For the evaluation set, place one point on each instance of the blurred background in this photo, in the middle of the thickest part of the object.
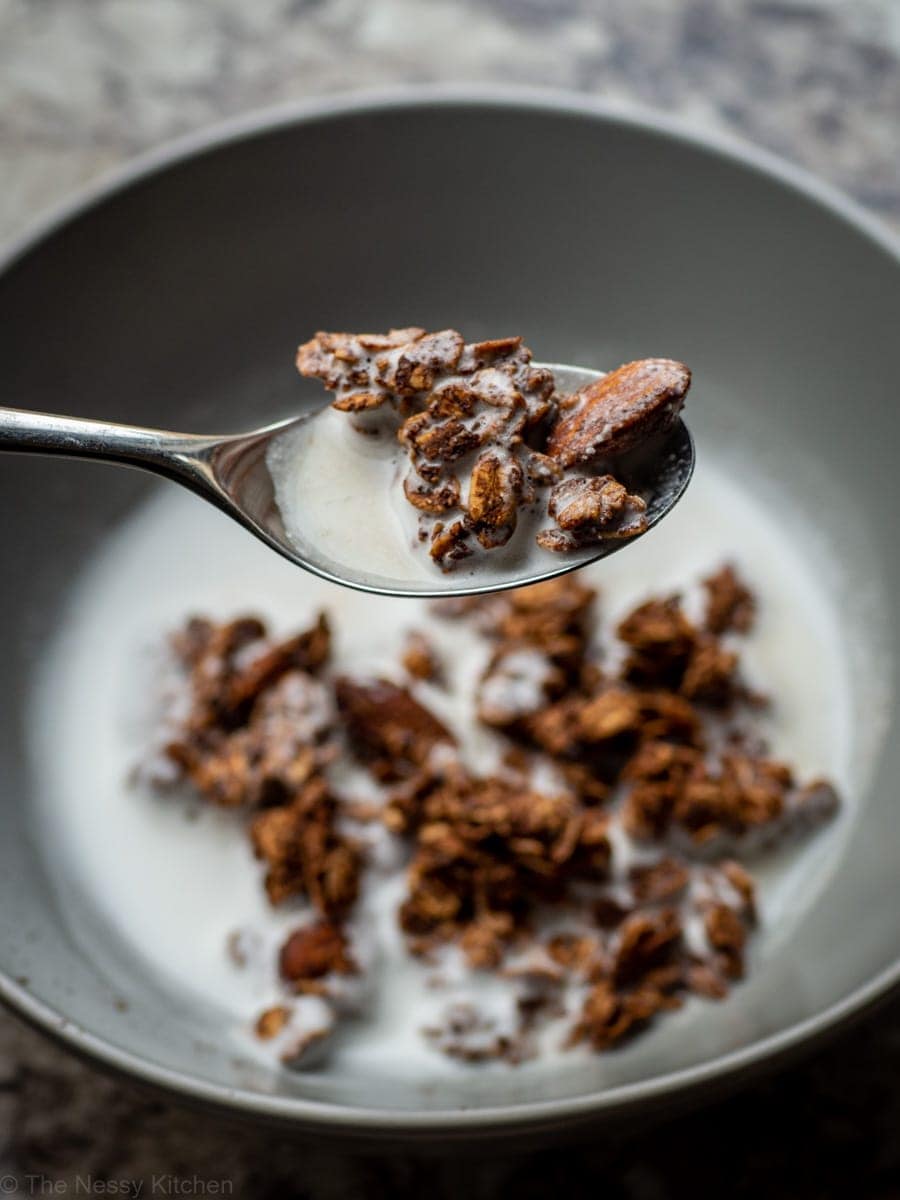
(87, 84)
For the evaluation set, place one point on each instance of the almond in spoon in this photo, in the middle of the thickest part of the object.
(620, 410)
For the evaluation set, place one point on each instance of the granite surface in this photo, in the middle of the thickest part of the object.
(84, 84)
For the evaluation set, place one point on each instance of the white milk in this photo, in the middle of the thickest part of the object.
(178, 879)
(338, 487)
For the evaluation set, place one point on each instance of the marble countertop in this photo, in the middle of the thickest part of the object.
(84, 85)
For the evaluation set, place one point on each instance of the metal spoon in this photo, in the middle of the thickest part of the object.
(231, 472)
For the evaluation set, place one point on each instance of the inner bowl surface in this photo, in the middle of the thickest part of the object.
(175, 299)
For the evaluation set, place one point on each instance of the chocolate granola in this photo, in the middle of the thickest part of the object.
(488, 437)
(514, 871)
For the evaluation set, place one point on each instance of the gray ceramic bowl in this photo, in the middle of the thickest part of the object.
(174, 295)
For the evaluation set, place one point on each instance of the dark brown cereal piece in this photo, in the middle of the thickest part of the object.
(486, 851)
(645, 940)
(580, 501)
(666, 650)
(609, 1016)
(420, 659)
(436, 498)
(609, 911)
(553, 617)
(585, 782)
(495, 492)
(647, 812)
(728, 796)
(575, 952)
(452, 399)
(314, 951)
(727, 935)
(609, 714)
(232, 663)
(486, 353)
(272, 1021)
(369, 370)
(540, 831)
(730, 605)
(662, 761)
(439, 441)
(710, 676)
(742, 793)
(556, 728)
(665, 715)
(450, 542)
(307, 651)
(305, 851)
(741, 881)
(417, 366)
(404, 807)
(286, 740)
(660, 639)
(705, 980)
(589, 509)
(556, 541)
(331, 357)
(592, 852)
(615, 413)
(209, 651)
(357, 402)
(540, 469)
(485, 938)
(665, 879)
(560, 602)
(387, 726)
(201, 638)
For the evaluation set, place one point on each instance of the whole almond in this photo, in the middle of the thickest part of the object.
(620, 410)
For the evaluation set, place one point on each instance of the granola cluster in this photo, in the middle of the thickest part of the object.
(487, 437)
(594, 874)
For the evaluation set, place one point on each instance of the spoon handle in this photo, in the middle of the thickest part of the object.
(176, 455)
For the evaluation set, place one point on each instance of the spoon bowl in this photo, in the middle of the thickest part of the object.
(232, 472)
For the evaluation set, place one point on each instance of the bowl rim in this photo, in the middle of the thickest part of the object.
(487, 1120)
